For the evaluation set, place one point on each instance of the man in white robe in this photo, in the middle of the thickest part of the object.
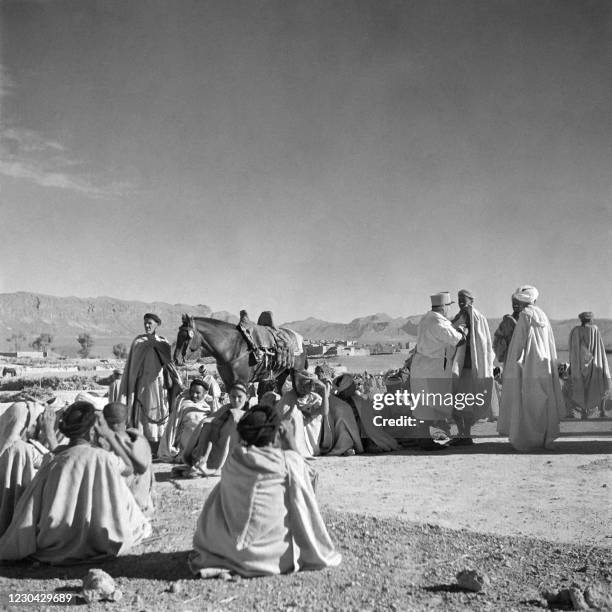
(472, 369)
(307, 405)
(213, 386)
(263, 517)
(532, 402)
(77, 507)
(589, 371)
(19, 459)
(431, 368)
(215, 437)
(136, 449)
(189, 411)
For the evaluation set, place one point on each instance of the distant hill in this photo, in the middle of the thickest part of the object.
(381, 327)
(111, 320)
(107, 319)
(378, 327)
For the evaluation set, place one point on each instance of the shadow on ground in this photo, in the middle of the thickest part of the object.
(561, 447)
(152, 565)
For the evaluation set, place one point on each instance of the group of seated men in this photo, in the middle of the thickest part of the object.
(73, 486)
(76, 485)
(329, 418)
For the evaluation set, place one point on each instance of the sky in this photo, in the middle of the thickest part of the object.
(325, 159)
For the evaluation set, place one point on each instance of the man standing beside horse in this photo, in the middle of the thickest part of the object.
(149, 378)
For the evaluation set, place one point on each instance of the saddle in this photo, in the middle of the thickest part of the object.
(275, 347)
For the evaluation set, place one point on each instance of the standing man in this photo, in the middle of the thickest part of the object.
(504, 331)
(430, 372)
(589, 371)
(531, 402)
(144, 385)
(114, 387)
(472, 367)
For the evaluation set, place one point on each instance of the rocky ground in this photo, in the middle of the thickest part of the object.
(388, 564)
(396, 553)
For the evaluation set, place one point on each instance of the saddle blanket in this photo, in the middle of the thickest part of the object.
(268, 338)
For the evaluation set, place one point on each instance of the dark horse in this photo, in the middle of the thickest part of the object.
(203, 336)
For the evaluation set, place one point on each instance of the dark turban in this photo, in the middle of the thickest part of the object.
(586, 317)
(77, 420)
(154, 317)
(343, 382)
(259, 425)
(466, 293)
(115, 413)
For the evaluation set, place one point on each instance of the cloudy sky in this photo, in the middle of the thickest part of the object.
(331, 159)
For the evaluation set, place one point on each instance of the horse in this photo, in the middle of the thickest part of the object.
(203, 336)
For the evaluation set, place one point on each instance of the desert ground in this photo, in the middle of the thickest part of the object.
(405, 522)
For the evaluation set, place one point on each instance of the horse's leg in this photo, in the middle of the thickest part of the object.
(237, 371)
(227, 374)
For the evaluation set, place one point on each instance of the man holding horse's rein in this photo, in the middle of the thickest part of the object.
(144, 385)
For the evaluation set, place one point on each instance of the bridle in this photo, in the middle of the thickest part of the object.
(195, 338)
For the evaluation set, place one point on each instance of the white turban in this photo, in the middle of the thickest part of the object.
(526, 293)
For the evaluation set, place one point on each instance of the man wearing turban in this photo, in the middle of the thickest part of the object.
(144, 385)
(589, 371)
(367, 436)
(532, 402)
(77, 507)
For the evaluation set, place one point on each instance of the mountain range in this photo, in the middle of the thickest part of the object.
(110, 320)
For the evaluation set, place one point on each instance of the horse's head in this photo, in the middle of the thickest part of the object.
(188, 340)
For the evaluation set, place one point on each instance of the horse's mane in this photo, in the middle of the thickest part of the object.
(215, 322)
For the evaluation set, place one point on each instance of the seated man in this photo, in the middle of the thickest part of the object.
(324, 424)
(374, 439)
(213, 386)
(262, 518)
(215, 436)
(307, 406)
(346, 438)
(77, 507)
(137, 449)
(19, 459)
(188, 412)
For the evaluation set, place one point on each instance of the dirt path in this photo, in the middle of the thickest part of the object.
(563, 495)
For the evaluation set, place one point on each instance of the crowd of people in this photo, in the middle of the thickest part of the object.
(76, 484)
